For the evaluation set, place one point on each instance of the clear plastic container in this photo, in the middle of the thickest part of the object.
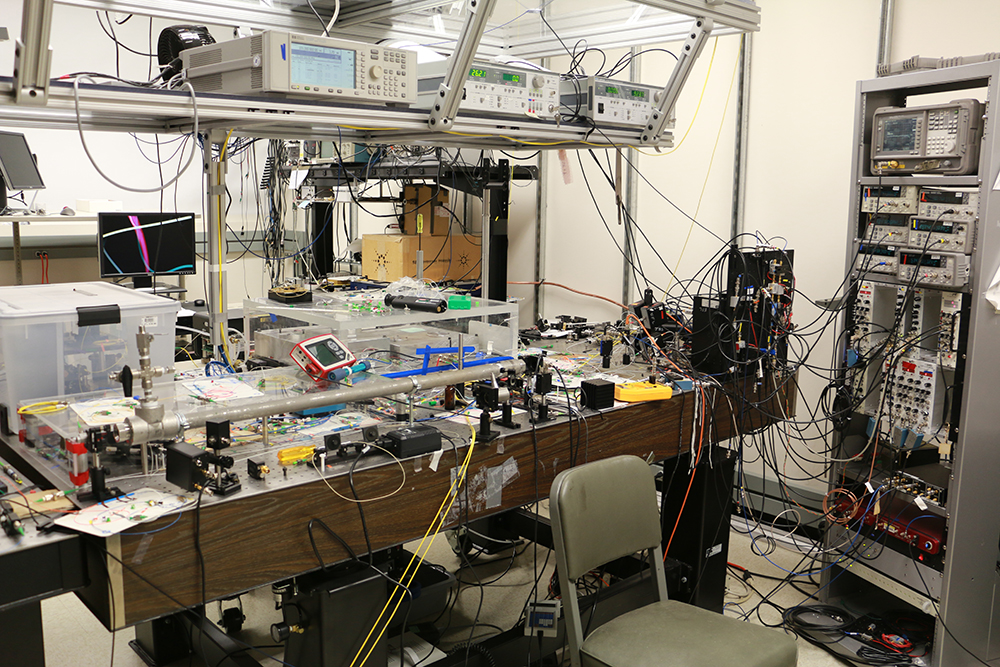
(67, 338)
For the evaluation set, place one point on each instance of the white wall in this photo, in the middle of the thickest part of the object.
(79, 45)
(807, 59)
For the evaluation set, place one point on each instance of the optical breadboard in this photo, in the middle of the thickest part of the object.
(953, 204)
(890, 199)
(507, 90)
(305, 66)
(608, 101)
(938, 269)
(934, 139)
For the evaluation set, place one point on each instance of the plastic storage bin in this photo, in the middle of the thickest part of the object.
(66, 338)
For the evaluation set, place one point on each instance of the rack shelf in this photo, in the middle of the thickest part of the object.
(127, 109)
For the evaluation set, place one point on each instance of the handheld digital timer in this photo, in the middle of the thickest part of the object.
(320, 355)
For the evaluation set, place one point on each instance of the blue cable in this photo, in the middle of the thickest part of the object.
(159, 530)
(799, 574)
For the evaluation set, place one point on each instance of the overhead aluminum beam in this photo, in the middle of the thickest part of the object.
(259, 16)
(743, 15)
(695, 44)
(123, 108)
(605, 28)
(452, 89)
(33, 54)
(380, 10)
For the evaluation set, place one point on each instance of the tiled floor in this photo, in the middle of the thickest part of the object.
(74, 638)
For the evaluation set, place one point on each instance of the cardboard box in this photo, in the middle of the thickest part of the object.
(425, 210)
(389, 257)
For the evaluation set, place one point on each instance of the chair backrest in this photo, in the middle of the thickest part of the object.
(604, 510)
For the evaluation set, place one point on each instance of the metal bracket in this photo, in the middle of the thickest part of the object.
(33, 54)
(450, 92)
(693, 46)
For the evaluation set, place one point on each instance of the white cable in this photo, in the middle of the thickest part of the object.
(79, 127)
(243, 339)
(336, 14)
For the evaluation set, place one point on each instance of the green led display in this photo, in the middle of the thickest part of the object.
(478, 73)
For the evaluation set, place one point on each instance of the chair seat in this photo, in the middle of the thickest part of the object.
(674, 634)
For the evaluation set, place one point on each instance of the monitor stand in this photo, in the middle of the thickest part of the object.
(139, 282)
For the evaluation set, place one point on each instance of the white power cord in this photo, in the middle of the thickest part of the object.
(79, 127)
(336, 14)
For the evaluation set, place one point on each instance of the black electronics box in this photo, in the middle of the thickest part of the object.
(713, 341)
(659, 318)
(334, 617)
(185, 465)
(292, 297)
(413, 441)
(597, 394)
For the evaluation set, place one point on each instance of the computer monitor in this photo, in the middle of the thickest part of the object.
(17, 166)
(144, 245)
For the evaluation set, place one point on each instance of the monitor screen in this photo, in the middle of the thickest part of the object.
(900, 135)
(323, 66)
(145, 244)
(16, 163)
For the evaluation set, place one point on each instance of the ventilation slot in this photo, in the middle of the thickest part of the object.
(209, 57)
(208, 84)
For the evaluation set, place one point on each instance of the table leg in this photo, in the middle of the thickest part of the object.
(18, 270)
(21, 634)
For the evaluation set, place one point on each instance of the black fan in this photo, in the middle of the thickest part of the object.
(175, 39)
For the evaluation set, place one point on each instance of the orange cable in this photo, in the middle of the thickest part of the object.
(701, 441)
(545, 282)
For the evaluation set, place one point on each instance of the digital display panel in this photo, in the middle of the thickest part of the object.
(322, 66)
(611, 90)
(879, 250)
(883, 192)
(498, 76)
(931, 226)
(145, 244)
(933, 261)
(944, 197)
(639, 93)
(899, 134)
(324, 354)
(890, 221)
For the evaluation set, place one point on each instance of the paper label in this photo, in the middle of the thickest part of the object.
(150, 321)
(564, 164)
(919, 502)
(436, 459)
